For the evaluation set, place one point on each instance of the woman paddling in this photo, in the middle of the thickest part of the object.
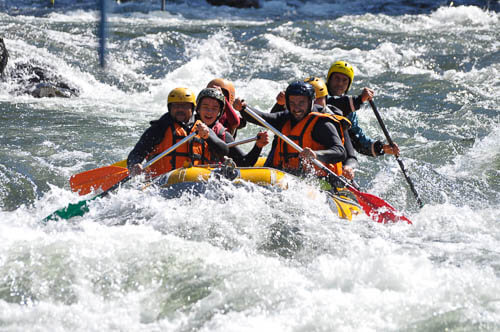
(209, 109)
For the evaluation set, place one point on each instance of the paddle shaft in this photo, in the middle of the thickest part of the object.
(400, 162)
(152, 161)
(243, 141)
(170, 149)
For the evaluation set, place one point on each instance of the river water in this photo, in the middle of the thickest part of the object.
(251, 259)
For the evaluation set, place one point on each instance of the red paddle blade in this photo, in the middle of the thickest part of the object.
(378, 209)
(100, 178)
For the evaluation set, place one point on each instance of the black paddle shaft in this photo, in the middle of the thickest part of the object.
(400, 162)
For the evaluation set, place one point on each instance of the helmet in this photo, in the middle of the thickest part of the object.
(182, 95)
(319, 86)
(343, 68)
(224, 85)
(299, 88)
(212, 93)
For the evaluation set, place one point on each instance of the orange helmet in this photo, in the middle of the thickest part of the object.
(226, 86)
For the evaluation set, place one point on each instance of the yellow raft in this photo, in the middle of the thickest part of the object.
(345, 207)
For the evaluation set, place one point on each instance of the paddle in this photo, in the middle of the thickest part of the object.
(80, 208)
(400, 162)
(375, 207)
(243, 141)
(105, 177)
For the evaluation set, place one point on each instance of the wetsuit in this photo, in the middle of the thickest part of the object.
(361, 142)
(229, 119)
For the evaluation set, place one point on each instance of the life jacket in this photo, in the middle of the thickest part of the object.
(192, 152)
(208, 157)
(286, 157)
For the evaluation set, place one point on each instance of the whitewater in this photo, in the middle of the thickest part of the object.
(247, 258)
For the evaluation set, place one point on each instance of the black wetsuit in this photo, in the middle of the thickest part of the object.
(347, 104)
(156, 132)
(361, 142)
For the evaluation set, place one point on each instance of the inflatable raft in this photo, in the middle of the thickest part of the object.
(341, 204)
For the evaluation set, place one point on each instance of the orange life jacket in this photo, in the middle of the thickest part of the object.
(286, 157)
(195, 151)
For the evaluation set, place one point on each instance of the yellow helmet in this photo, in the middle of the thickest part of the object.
(182, 95)
(343, 68)
(319, 85)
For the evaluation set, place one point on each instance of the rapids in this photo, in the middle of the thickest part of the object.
(249, 258)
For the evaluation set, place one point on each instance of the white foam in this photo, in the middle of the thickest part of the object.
(483, 157)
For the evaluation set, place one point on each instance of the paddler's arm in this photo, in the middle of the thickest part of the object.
(216, 144)
(149, 139)
(278, 108)
(248, 160)
(347, 104)
(232, 118)
(350, 104)
(361, 142)
(276, 120)
(324, 132)
(351, 163)
(351, 159)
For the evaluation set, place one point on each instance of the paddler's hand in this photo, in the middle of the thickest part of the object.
(203, 130)
(280, 98)
(391, 150)
(367, 94)
(239, 104)
(307, 154)
(348, 172)
(262, 140)
(135, 170)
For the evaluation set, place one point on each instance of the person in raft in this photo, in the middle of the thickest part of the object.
(230, 118)
(317, 133)
(172, 127)
(321, 91)
(339, 81)
(210, 107)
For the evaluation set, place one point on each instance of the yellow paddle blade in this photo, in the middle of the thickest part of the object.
(121, 163)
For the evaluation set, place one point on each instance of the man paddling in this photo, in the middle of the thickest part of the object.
(211, 104)
(351, 162)
(174, 125)
(317, 133)
(321, 92)
(339, 81)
